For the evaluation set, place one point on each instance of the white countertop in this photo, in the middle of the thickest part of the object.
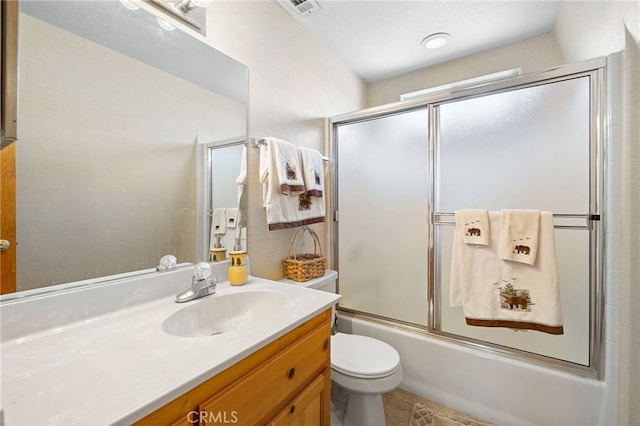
(117, 367)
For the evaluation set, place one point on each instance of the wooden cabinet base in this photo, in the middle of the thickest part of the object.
(288, 382)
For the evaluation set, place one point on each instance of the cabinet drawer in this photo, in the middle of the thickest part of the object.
(256, 396)
(308, 407)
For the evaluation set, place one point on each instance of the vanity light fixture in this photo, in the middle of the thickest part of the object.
(435, 40)
(192, 12)
(187, 6)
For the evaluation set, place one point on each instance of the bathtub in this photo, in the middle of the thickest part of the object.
(494, 387)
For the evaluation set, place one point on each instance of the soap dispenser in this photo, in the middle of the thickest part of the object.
(238, 268)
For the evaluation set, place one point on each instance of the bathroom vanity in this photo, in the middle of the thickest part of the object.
(124, 352)
(287, 382)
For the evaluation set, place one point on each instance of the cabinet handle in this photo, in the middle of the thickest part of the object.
(325, 345)
(292, 372)
(292, 409)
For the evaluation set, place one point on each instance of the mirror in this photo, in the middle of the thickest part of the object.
(112, 111)
(225, 184)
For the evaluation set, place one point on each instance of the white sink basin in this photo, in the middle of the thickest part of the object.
(223, 313)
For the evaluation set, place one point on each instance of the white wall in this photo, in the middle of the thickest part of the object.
(294, 82)
(587, 29)
(584, 30)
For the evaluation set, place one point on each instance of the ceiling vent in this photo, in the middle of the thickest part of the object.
(303, 7)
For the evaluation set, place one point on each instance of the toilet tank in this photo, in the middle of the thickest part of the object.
(327, 282)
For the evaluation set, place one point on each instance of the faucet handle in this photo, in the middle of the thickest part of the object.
(167, 262)
(201, 271)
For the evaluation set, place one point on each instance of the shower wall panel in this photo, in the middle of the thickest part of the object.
(383, 192)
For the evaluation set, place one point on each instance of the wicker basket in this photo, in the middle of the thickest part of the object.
(303, 267)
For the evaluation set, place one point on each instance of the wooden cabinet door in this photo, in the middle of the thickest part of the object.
(8, 219)
(253, 398)
(311, 407)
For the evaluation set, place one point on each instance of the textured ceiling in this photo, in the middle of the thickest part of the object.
(380, 39)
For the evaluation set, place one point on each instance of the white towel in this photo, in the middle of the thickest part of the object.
(312, 171)
(519, 235)
(233, 216)
(289, 167)
(498, 293)
(219, 221)
(475, 224)
(285, 211)
(263, 171)
(241, 180)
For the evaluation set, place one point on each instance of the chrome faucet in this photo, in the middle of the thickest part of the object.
(202, 284)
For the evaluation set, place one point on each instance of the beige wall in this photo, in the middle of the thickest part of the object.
(294, 81)
(91, 198)
(533, 54)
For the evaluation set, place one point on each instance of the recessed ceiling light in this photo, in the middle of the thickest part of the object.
(436, 40)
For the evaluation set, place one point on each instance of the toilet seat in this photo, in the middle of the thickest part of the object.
(362, 356)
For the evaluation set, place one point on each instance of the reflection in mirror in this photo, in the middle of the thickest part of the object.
(225, 185)
(192, 12)
(111, 109)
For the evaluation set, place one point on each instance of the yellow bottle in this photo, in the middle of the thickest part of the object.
(217, 254)
(238, 270)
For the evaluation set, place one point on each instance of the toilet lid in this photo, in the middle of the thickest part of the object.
(362, 356)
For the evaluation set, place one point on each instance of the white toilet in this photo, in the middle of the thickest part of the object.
(363, 368)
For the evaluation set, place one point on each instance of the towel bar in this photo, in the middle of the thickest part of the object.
(588, 217)
(258, 142)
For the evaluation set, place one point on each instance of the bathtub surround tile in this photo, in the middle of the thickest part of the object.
(611, 324)
(612, 287)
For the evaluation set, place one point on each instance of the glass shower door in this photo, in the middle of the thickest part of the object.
(382, 204)
(528, 148)
(402, 170)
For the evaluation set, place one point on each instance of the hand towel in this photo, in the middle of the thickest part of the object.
(312, 171)
(233, 215)
(519, 235)
(497, 293)
(289, 168)
(219, 221)
(475, 224)
(285, 211)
